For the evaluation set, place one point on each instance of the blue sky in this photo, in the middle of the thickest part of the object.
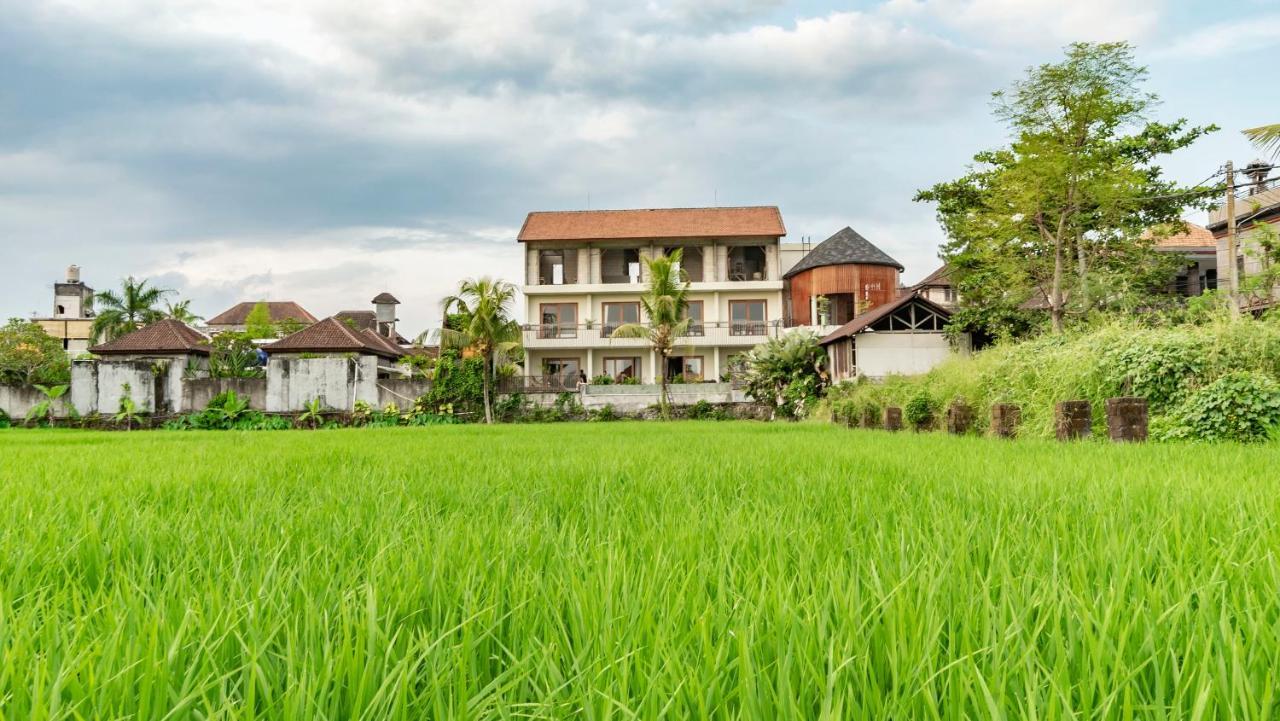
(324, 151)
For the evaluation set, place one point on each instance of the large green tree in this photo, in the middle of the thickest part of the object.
(30, 356)
(666, 308)
(1061, 215)
(135, 305)
(489, 330)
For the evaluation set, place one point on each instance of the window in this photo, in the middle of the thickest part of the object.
(557, 267)
(616, 314)
(949, 294)
(622, 368)
(694, 313)
(690, 262)
(746, 317)
(559, 320)
(689, 366)
(62, 310)
(747, 263)
(620, 265)
(563, 369)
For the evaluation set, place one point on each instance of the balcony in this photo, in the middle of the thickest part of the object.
(721, 333)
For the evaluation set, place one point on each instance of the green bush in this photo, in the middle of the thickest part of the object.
(604, 379)
(920, 411)
(1242, 406)
(603, 414)
(5, 420)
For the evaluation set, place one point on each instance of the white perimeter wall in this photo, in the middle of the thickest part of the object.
(337, 382)
(880, 354)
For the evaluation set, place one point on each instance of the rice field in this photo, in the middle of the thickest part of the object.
(633, 570)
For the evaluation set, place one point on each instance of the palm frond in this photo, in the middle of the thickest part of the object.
(1265, 137)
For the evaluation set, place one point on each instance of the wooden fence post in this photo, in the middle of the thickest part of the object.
(1073, 420)
(1127, 419)
(959, 418)
(1005, 418)
(893, 418)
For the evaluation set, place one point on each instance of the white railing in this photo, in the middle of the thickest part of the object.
(716, 333)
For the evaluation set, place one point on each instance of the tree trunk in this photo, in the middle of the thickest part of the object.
(663, 401)
(1055, 293)
(1084, 274)
(488, 407)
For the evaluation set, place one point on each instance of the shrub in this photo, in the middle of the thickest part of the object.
(1242, 406)
(606, 413)
(787, 373)
(603, 379)
(5, 420)
(920, 411)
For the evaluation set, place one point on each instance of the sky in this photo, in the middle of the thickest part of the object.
(324, 151)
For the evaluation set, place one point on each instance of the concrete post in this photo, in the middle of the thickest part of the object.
(1073, 420)
(893, 418)
(1127, 419)
(1005, 418)
(959, 418)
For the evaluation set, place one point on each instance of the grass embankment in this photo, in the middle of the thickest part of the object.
(1164, 365)
(725, 570)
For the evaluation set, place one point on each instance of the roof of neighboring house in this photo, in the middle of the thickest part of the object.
(860, 323)
(846, 247)
(385, 298)
(278, 309)
(167, 337)
(365, 320)
(764, 221)
(1196, 236)
(940, 278)
(333, 336)
(1259, 207)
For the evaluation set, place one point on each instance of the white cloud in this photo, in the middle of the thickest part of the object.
(1036, 22)
(1237, 37)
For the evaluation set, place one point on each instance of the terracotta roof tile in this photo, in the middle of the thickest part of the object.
(763, 221)
(1196, 236)
(168, 337)
(365, 319)
(940, 278)
(279, 310)
(333, 336)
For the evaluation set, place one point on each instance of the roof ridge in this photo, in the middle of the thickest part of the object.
(646, 210)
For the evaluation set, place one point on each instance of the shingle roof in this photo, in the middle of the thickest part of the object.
(333, 336)
(940, 278)
(860, 323)
(1197, 236)
(384, 298)
(167, 337)
(279, 310)
(846, 247)
(364, 320)
(764, 221)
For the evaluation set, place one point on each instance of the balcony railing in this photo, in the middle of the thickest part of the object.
(701, 333)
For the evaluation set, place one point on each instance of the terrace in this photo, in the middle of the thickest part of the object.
(745, 332)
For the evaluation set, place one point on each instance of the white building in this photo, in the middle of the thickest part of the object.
(584, 275)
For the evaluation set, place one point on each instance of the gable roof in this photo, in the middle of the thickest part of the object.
(278, 309)
(845, 247)
(1196, 236)
(365, 320)
(860, 323)
(168, 337)
(763, 221)
(940, 278)
(333, 336)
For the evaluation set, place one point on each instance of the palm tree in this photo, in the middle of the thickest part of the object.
(1266, 137)
(128, 310)
(666, 303)
(489, 329)
(181, 311)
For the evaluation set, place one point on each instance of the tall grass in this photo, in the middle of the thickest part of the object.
(1162, 364)
(691, 570)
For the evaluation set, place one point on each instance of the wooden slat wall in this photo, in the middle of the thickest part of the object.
(841, 279)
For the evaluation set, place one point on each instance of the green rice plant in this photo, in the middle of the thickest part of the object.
(707, 570)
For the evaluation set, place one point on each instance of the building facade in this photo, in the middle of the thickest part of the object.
(71, 319)
(585, 274)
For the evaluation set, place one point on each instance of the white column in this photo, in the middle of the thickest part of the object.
(591, 366)
(653, 366)
(715, 363)
(531, 265)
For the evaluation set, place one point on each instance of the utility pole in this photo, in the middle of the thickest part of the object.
(1233, 269)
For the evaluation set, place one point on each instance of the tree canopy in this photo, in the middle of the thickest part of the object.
(136, 305)
(1061, 217)
(30, 356)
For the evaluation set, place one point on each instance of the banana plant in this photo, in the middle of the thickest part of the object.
(43, 411)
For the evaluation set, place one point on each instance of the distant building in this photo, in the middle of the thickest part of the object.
(841, 278)
(148, 365)
(902, 337)
(1258, 208)
(232, 320)
(71, 320)
(381, 320)
(1199, 249)
(938, 287)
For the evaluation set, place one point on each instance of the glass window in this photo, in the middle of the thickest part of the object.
(565, 369)
(616, 314)
(694, 313)
(622, 368)
(559, 320)
(693, 368)
(746, 317)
